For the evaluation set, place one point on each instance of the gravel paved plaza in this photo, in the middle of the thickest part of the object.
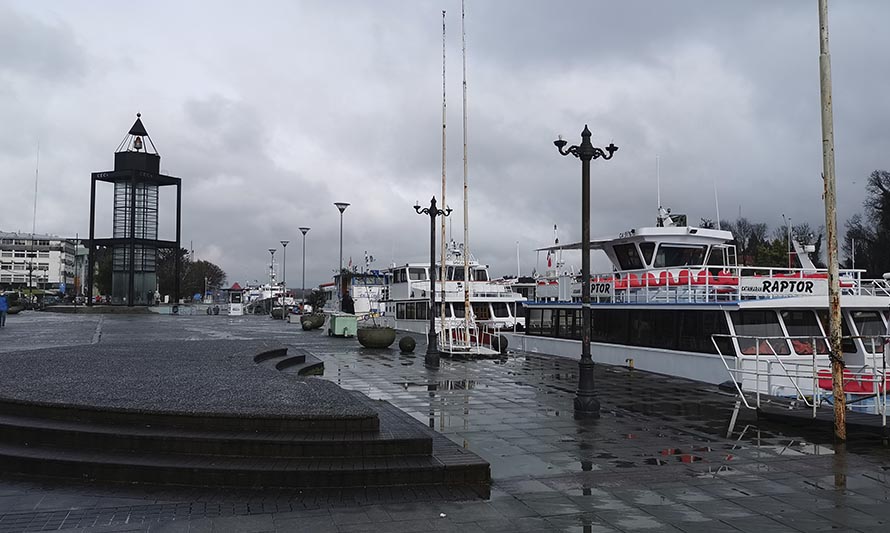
(663, 457)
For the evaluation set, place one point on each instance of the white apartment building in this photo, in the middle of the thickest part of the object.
(39, 261)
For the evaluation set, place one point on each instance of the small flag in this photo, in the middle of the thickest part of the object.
(549, 260)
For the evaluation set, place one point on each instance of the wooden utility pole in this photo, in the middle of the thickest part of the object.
(834, 297)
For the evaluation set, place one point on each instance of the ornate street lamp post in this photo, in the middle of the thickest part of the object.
(342, 207)
(432, 348)
(304, 231)
(586, 404)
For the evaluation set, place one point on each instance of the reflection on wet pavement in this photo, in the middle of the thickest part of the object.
(666, 455)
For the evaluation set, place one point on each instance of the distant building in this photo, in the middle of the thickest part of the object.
(38, 261)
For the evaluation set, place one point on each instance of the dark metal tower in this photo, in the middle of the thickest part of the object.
(134, 244)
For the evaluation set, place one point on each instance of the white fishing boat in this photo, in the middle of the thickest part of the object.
(677, 302)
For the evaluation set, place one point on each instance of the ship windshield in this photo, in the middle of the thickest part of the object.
(871, 328)
(754, 329)
(674, 255)
(628, 257)
(500, 309)
(416, 274)
(805, 332)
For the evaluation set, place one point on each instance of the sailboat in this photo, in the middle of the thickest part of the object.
(465, 337)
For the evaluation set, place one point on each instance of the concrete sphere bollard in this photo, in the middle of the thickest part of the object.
(407, 344)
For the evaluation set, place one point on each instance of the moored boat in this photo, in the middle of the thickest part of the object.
(677, 302)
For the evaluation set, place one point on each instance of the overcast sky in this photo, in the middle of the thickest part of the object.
(272, 111)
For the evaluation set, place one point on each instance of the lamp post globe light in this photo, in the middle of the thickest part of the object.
(271, 278)
(432, 348)
(342, 207)
(284, 272)
(304, 231)
(586, 403)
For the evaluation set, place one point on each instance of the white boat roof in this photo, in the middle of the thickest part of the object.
(672, 234)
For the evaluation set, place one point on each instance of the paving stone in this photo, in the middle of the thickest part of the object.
(625, 472)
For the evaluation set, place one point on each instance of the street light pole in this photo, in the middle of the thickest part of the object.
(284, 274)
(304, 231)
(431, 358)
(586, 404)
(271, 278)
(342, 207)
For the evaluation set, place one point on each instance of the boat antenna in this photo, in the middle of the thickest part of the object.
(657, 183)
(717, 204)
(442, 219)
(468, 311)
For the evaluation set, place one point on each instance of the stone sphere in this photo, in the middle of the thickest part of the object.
(407, 344)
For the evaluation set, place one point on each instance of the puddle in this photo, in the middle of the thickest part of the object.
(655, 461)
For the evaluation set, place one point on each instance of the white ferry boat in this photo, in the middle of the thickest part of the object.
(494, 306)
(367, 290)
(678, 303)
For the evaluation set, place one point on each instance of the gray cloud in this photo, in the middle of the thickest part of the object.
(270, 115)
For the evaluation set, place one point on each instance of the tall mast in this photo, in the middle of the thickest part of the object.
(442, 219)
(468, 311)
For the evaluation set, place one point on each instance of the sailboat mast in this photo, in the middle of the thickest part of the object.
(468, 311)
(442, 219)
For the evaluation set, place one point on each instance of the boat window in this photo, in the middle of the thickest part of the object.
(847, 343)
(871, 328)
(753, 327)
(481, 275)
(422, 309)
(481, 311)
(455, 274)
(803, 324)
(695, 330)
(628, 257)
(415, 274)
(609, 325)
(672, 255)
(457, 309)
(500, 309)
(715, 256)
(568, 323)
(400, 311)
(410, 311)
(654, 329)
(647, 248)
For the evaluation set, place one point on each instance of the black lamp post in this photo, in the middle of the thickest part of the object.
(271, 279)
(304, 231)
(284, 271)
(586, 404)
(342, 207)
(432, 348)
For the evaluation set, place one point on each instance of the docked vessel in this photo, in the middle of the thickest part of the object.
(677, 302)
(493, 304)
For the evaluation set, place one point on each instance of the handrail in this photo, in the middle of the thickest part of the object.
(874, 374)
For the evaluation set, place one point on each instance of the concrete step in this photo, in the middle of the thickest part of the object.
(147, 439)
(242, 471)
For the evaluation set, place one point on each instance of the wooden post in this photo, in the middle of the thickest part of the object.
(834, 297)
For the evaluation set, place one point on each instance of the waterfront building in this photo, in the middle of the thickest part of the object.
(43, 262)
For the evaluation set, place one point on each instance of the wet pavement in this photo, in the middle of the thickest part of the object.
(665, 456)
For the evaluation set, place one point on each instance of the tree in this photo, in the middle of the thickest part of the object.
(103, 269)
(871, 230)
(707, 223)
(194, 276)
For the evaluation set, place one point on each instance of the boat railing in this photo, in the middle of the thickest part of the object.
(468, 338)
(768, 369)
(715, 283)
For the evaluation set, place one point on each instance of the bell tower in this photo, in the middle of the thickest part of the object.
(134, 243)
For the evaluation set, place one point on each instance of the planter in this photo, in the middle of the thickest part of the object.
(379, 337)
(312, 321)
